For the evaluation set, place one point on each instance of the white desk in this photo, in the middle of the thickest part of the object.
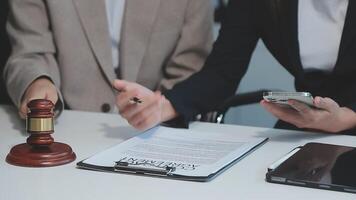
(89, 133)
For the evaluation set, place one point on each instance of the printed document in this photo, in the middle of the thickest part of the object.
(191, 153)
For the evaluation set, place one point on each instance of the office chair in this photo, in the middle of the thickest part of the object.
(4, 51)
(218, 115)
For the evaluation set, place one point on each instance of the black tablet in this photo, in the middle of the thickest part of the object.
(317, 165)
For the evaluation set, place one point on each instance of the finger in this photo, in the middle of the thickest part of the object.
(54, 99)
(147, 123)
(283, 113)
(152, 111)
(22, 115)
(154, 106)
(300, 107)
(51, 96)
(120, 85)
(144, 114)
(277, 109)
(123, 99)
(130, 110)
(148, 111)
(326, 104)
(23, 111)
(36, 95)
(128, 107)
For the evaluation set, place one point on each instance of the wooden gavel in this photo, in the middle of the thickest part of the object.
(40, 149)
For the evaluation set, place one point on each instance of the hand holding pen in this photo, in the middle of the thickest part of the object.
(133, 100)
(141, 107)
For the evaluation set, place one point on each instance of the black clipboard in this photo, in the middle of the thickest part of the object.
(317, 165)
(167, 172)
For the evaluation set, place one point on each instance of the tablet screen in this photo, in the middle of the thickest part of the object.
(319, 165)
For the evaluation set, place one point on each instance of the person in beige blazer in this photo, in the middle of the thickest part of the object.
(61, 50)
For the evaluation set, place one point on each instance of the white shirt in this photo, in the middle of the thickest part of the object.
(115, 12)
(320, 25)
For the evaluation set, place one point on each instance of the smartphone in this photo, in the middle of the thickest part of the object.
(283, 97)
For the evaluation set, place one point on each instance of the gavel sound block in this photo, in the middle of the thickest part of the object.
(40, 149)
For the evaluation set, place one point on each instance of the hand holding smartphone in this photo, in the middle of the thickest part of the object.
(283, 97)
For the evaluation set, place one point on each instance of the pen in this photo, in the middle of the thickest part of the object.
(133, 100)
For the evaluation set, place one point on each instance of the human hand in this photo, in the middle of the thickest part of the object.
(327, 115)
(154, 109)
(41, 88)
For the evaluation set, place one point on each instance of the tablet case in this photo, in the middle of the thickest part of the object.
(318, 165)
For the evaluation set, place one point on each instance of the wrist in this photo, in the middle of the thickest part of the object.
(168, 112)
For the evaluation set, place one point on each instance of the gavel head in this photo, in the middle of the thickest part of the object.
(39, 122)
(41, 107)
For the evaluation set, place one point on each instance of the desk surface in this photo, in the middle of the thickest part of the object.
(89, 133)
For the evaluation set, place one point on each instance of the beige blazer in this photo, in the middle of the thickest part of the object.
(162, 43)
